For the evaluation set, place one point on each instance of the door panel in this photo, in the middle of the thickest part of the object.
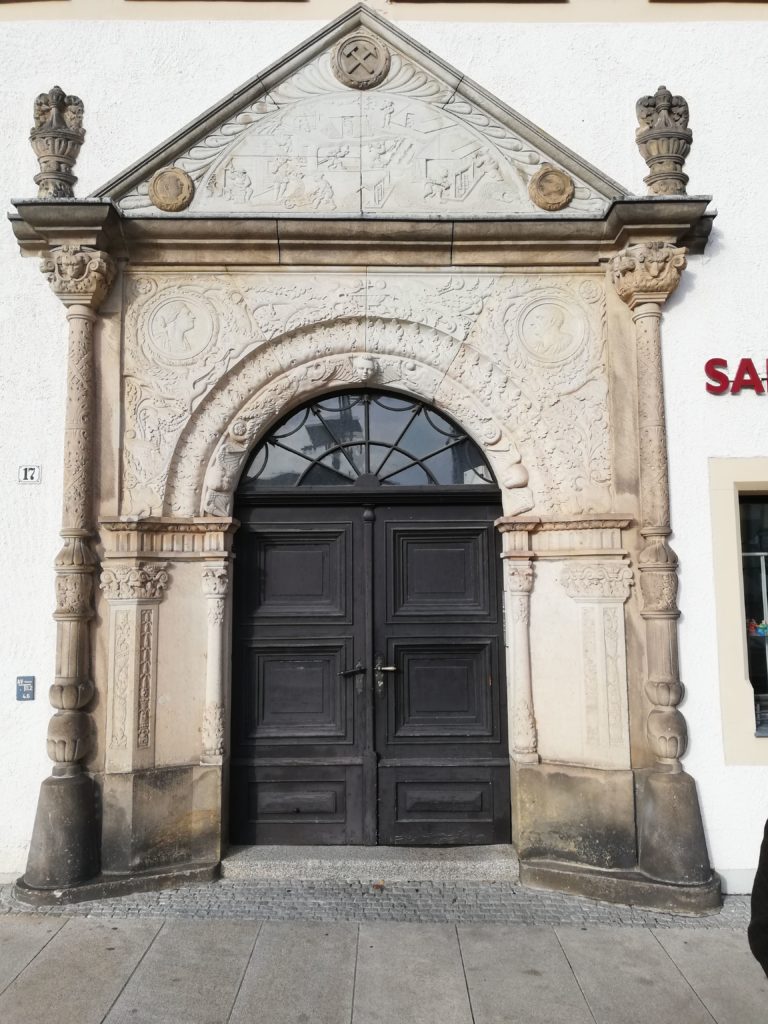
(300, 695)
(441, 692)
(297, 804)
(298, 717)
(441, 709)
(438, 573)
(302, 574)
(444, 804)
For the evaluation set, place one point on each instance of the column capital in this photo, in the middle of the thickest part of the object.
(518, 575)
(647, 272)
(79, 275)
(216, 581)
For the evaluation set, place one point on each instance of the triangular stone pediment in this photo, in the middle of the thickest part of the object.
(361, 121)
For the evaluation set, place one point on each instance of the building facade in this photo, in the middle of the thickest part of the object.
(335, 346)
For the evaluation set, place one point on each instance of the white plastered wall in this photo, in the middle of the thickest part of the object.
(142, 81)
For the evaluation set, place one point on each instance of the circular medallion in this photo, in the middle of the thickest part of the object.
(171, 189)
(551, 331)
(180, 328)
(550, 188)
(360, 61)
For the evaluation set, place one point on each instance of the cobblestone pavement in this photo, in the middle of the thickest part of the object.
(467, 902)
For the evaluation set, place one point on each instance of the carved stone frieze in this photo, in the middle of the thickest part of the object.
(140, 582)
(56, 139)
(518, 361)
(664, 141)
(597, 581)
(410, 145)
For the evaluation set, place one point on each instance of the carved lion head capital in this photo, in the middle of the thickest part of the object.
(647, 272)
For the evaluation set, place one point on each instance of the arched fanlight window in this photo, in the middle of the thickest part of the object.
(365, 438)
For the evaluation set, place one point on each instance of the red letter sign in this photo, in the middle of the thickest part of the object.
(747, 377)
(717, 371)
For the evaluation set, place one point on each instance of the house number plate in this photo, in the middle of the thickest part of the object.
(30, 474)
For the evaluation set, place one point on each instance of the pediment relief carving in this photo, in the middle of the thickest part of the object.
(365, 128)
(517, 360)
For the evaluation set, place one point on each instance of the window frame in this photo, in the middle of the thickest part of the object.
(728, 480)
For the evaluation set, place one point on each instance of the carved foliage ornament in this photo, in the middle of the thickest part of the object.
(141, 582)
(78, 275)
(216, 582)
(597, 581)
(361, 61)
(56, 139)
(664, 141)
(647, 272)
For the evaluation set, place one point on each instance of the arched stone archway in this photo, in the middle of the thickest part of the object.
(406, 357)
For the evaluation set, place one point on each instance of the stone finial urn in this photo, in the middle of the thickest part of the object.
(56, 139)
(664, 141)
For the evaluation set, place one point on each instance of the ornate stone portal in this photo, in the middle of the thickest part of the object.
(488, 272)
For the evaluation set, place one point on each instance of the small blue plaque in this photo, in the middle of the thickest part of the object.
(25, 687)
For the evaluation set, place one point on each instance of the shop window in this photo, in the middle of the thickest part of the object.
(738, 492)
(753, 516)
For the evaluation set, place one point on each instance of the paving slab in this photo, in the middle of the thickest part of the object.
(191, 974)
(79, 973)
(721, 968)
(21, 939)
(627, 977)
(300, 972)
(410, 974)
(519, 975)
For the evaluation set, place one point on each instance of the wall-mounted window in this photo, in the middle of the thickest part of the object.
(739, 505)
(753, 510)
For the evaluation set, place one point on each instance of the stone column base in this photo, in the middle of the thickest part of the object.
(107, 886)
(629, 887)
(622, 835)
(65, 841)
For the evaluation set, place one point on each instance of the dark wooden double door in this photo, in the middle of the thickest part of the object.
(369, 699)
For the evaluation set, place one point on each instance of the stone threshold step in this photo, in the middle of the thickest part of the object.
(372, 863)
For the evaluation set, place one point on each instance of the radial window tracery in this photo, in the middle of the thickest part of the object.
(366, 438)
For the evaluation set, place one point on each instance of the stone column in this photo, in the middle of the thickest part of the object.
(670, 833)
(517, 559)
(518, 583)
(64, 847)
(215, 588)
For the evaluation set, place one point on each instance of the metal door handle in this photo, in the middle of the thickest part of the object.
(379, 670)
(359, 667)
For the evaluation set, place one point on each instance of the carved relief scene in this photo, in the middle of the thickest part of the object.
(210, 363)
(364, 130)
